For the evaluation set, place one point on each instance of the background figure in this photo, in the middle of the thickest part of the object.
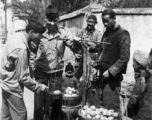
(90, 33)
(145, 110)
(15, 71)
(113, 60)
(139, 64)
(69, 80)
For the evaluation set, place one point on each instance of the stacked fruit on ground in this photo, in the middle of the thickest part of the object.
(93, 113)
(70, 92)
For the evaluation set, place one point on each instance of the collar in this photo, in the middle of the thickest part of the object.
(89, 32)
(50, 36)
(118, 27)
(24, 40)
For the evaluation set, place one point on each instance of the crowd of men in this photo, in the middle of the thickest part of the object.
(33, 57)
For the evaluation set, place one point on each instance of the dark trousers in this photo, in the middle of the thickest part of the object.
(55, 83)
(13, 108)
(111, 94)
(40, 100)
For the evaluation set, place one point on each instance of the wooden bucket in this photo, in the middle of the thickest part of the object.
(71, 112)
(71, 101)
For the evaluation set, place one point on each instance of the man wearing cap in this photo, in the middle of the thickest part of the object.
(113, 60)
(49, 64)
(145, 110)
(88, 33)
(139, 64)
(15, 71)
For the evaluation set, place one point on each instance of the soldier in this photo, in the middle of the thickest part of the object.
(49, 64)
(15, 71)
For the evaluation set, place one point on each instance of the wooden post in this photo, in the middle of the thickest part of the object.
(84, 76)
(5, 8)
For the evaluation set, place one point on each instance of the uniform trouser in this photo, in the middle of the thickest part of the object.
(40, 103)
(13, 108)
(55, 83)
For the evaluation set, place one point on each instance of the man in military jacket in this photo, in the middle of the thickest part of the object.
(49, 63)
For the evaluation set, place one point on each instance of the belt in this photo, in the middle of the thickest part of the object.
(56, 74)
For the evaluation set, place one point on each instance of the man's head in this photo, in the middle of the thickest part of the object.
(34, 32)
(91, 22)
(52, 18)
(108, 18)
(140, 62)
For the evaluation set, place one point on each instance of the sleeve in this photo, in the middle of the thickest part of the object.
(146, 106)
(79, 33)
(23, 74)
(99, 36)
(11, 59)
(98, 39)
(32, 62)
(124, 47)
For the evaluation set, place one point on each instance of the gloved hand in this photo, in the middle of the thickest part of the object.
(45, 88)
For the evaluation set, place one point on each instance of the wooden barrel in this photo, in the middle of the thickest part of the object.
(71, 101)
(71, 112)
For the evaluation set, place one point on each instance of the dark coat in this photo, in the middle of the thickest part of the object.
(135, 98)
(114, 58)
(145, 112)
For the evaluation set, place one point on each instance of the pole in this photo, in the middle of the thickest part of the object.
(84, 82)
(5, 8)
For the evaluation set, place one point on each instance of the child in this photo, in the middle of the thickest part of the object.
(69, 80)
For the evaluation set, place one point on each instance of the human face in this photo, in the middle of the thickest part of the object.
(91, 24)
(34, 41)
(108, 22)
(51, 25)
(138, 69)
(52, 22)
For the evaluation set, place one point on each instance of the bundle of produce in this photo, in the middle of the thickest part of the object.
(70, 92)
(94, 113)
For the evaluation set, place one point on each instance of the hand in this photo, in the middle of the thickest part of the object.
(106, 74)
(133, 98)
(45, 88)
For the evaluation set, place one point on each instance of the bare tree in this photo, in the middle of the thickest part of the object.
(33, 9)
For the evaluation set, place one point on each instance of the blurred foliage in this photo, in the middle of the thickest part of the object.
(35, 9)
(31, 9)
(126, 3)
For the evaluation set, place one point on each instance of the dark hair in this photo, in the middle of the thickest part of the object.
(52, 12)
(35, 27)
(109, 12)
(69, 67)
(92, 17)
